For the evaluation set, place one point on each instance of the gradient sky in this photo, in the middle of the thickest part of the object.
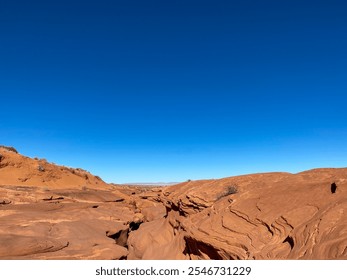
(153, 91)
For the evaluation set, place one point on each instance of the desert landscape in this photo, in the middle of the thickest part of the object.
(55, 212)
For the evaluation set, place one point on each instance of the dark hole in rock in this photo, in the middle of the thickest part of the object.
(333, 188)
(134, 226)
(290, 241)
(95, 206)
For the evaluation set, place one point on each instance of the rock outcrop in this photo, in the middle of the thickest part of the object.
(260, 216)
(19, 170)
(53, 212)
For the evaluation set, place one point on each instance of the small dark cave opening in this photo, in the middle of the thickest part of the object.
(333, 188)
(290, 241)
(134, 226)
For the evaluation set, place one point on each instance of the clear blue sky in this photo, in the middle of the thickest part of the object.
(148, 91)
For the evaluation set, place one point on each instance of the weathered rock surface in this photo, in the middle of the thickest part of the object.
(271, 216)
(65, 213)
(19, 170)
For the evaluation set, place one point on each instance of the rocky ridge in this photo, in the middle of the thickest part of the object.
(54, 212)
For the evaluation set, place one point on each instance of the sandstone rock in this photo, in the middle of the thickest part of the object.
(65, 213)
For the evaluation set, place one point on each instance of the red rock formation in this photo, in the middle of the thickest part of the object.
(18, 170)
(271, 216)
(54, 212)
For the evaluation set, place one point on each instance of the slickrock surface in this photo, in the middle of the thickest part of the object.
(261, 216)
(54, 212)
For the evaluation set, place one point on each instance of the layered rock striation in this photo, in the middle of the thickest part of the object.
(54, 212)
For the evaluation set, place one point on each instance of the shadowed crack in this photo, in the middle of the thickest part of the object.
(51, 198)
(290, 241)
(199, 248)
(121, 237)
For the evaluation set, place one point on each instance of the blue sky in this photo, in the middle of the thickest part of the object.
(148, 91)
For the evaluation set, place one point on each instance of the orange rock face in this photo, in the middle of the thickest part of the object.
(269, 216)
(16, 169)
(53, 212)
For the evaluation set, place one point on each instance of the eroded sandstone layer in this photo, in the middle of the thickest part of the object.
(54, 212)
